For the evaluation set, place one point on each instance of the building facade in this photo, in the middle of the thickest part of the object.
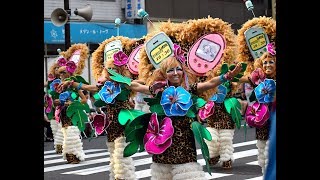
(102, 26)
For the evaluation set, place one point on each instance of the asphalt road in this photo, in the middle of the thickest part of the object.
(95, 166)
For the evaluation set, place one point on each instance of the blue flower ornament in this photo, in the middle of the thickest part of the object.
(220, 95)
(63, 97)
(265, 91)
(109, 92)
(175, 101)
(54, 84)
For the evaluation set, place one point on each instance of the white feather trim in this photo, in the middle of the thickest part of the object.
(72, 143)
(187, 170)
(213, 145)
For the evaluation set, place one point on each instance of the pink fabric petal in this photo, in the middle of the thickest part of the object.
(178, 53)
(62, 61)
(258, 76)
(49, 103)
(262, 116)
(271, 48)
(207, 110)
(250, 120)
(51, 77)
(257, 114)
(166, 131)
(71, 67)
(152, 148)
(120, 58)
(255, 106)
(57, 113)
(99, 123)
(153, 125)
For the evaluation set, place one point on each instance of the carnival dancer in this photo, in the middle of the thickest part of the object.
(260, 74)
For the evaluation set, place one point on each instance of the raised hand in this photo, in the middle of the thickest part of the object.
(234, 72)
(158, 86)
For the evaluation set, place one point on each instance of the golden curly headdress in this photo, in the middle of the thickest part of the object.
(84, 54)
(196, 28)
(244, 55)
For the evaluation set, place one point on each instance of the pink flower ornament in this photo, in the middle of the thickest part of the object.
(257, 114)
(51, 77)
(120, 58)
(158, 137)
(71, 66)
(48, 103)
(57, 114)
(100, 123)
(258, 76)
(271, 49)
(179, 53)
(207, 110)
(62, 61)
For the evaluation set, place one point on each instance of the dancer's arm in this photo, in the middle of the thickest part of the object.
(216, 81)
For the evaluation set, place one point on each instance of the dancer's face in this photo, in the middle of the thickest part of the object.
(174, 75)
(63, 73)
(269, 66)
(56, 72)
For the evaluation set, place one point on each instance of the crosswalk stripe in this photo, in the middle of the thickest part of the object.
(86, 156)
(49, 152)
(85, 151)
(253, 163)
(105, 160)
(147, 173)
(256, 178)
(67, 166)
(245, 143)
(148, 160)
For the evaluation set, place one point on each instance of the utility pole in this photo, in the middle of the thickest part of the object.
(67, 42)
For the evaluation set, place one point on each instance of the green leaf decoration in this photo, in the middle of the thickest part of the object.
(233, 107)
(190, 113)
(252, 96)
(49, 82)
(86, 108)
(201, 133)
(239, 75)
(131, 149)
(244, 67)
(96, 96)
(92, 134)
(224, 68)
(235, 79)
(200, 102)
(99, 103)
(153, 100)
(128, 114)
(119, 78)
(134, 133)
(157, 108)
(232, 66)
(69, 78)
(75, 111)
(230, 103)
(54, 95)
(80, 79)
(50, 114)
(124, 94)
(74, 95)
